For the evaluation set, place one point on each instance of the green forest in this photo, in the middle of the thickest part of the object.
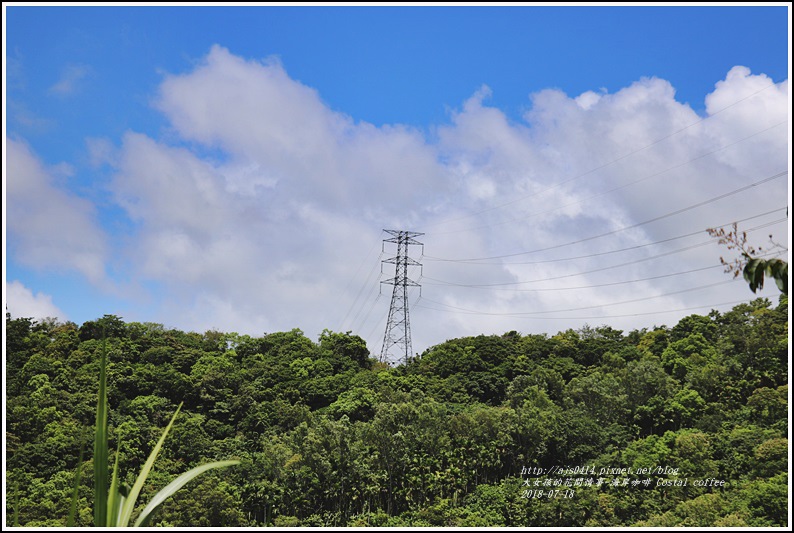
(666, 426)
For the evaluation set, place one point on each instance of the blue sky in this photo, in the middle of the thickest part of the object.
(233, 167)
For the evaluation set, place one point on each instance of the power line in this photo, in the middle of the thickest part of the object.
(661, 276)
(368, 313)
(525, 217)
(596, 254)
(624, 228)
(601, 269)
(531, 313)
(360, 291)
(366, 282)
(377, 323)
(630, 315)
(580, 286)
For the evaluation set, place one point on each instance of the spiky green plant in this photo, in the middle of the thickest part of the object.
(114, 505)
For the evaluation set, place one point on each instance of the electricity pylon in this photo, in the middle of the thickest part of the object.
(398, 326)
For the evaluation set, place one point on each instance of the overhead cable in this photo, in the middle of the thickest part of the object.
(711, 306)
(598, 306)
(596, 254)
(632, 226)
(602, 193)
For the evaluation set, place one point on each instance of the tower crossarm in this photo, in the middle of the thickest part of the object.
(402, 261)
(400, 281)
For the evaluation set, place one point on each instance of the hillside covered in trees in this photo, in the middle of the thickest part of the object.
(671, 426)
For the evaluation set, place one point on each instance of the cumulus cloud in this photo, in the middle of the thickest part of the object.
(590, 165)
(50, 228)
(283, 230)
(261, 117)
(22, 303)
(271, 229)
(262, 208)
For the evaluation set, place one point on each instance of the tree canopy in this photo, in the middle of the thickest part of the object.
(486, 430)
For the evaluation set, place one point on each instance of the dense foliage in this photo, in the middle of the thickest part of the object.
(329, 437)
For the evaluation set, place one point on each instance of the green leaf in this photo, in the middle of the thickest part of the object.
(121, 495)
(129, 504)
(759, 276)
(778, 270)
(101, 444)
(114, 506)
(782, 282)
(754, 273)
(175, 485)
(114, 498)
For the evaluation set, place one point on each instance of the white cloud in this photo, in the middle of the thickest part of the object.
(587, 99)
(280, 226)
(573, 171)
(70, 80)
(261, 117)
(100, 151)
(271, 231)
(22, 303)
(744, 103)
(27, 119)
(50, 228)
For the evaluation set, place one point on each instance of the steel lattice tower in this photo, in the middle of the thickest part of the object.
(398, 326)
